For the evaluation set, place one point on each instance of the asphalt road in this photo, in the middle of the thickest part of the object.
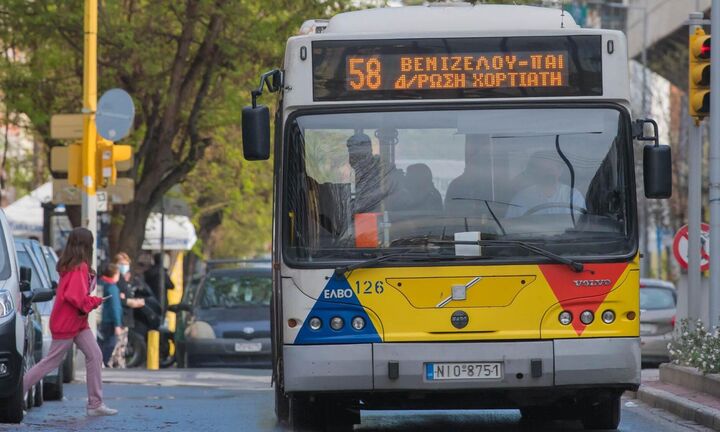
(240, 400)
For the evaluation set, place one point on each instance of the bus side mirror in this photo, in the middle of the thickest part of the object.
(657, 171)
(256, 132)
(256, 119)
(657, 161)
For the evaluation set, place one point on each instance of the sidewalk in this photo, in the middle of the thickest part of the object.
(686, 403)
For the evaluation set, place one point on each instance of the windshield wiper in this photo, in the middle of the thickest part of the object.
(341, 270)
(574, 265)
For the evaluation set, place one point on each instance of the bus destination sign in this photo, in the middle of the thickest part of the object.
(457, 68)
(462, 71)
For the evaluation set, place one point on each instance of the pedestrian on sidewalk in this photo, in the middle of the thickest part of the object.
(69, 320)
(111, 325)
(129, 304)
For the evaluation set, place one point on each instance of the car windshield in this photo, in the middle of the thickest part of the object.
(369, 183)
(652, 298)
(51, 260)
(236, 290)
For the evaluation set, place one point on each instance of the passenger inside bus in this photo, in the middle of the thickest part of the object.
(376, 182)
(545, 193)
(466, 194)
(419, 192)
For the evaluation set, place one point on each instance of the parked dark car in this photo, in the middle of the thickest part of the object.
(30, 255)
(18, 328)
(658, 301)
(226, 321)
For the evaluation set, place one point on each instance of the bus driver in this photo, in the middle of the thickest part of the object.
(545, 191)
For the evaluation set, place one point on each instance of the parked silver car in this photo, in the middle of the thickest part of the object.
(658, 300)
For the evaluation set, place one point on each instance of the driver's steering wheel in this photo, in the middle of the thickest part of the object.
(549, 205)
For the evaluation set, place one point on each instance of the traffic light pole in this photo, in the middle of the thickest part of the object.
(89, 143)
(694, 290)
(714, 187)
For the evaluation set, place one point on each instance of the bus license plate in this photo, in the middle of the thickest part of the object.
(248, 347)
(462, 371)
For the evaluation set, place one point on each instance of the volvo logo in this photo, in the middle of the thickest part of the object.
(459, 319)
(592, 282)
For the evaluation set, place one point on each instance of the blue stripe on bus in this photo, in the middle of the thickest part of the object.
(345, 305)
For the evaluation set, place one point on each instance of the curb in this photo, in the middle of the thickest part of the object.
(681, 407)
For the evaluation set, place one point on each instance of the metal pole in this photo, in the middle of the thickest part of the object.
(714, 190)
(646, 263)
(694, 300)
(89, 199)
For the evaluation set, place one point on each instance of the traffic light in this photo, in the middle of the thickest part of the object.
(111, 158)
(699, 75)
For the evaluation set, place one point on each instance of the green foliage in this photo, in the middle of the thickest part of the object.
(237, 194)
(189, 66)
(696, 346)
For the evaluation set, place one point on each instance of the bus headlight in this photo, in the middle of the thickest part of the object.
(337, 323)
(608, 316)
(587, 317)
(315, 323)
(6, 304)
(565, 317)
(358, 323)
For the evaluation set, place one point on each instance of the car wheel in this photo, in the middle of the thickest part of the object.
(11, 407)
(68, 367)
(54, 390)
(30, 395)
(39, 396)
(135, 351)
(603, 413)
(30, 398)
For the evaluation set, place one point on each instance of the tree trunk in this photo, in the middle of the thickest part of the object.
(132, 234)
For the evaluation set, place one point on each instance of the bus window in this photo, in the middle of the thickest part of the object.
(556, 176)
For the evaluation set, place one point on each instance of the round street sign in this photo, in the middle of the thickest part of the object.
(115, 115)
(680, 247)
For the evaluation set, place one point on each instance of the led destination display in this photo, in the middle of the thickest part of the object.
(491, 70)
(449, 68)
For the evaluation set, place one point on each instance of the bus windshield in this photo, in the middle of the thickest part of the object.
(364, 184)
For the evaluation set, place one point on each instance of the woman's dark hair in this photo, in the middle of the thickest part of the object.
(78, 250)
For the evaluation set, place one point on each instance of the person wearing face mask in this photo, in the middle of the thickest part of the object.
(542, 178)
(128, 301)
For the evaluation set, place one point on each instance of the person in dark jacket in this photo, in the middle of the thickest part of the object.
(152, 278)
(111, 325)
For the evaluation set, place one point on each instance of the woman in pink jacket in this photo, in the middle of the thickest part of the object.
(69, 320)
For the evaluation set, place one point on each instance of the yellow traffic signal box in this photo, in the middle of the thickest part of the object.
(112, 158)
(699, 75)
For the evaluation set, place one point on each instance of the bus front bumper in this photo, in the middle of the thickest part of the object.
(596, 362)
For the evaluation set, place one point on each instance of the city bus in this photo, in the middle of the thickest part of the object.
(455, 219)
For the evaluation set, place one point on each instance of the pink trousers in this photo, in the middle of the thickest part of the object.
(86, 342)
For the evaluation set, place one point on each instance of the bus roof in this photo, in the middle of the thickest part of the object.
(315, 59)
(447, 17)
